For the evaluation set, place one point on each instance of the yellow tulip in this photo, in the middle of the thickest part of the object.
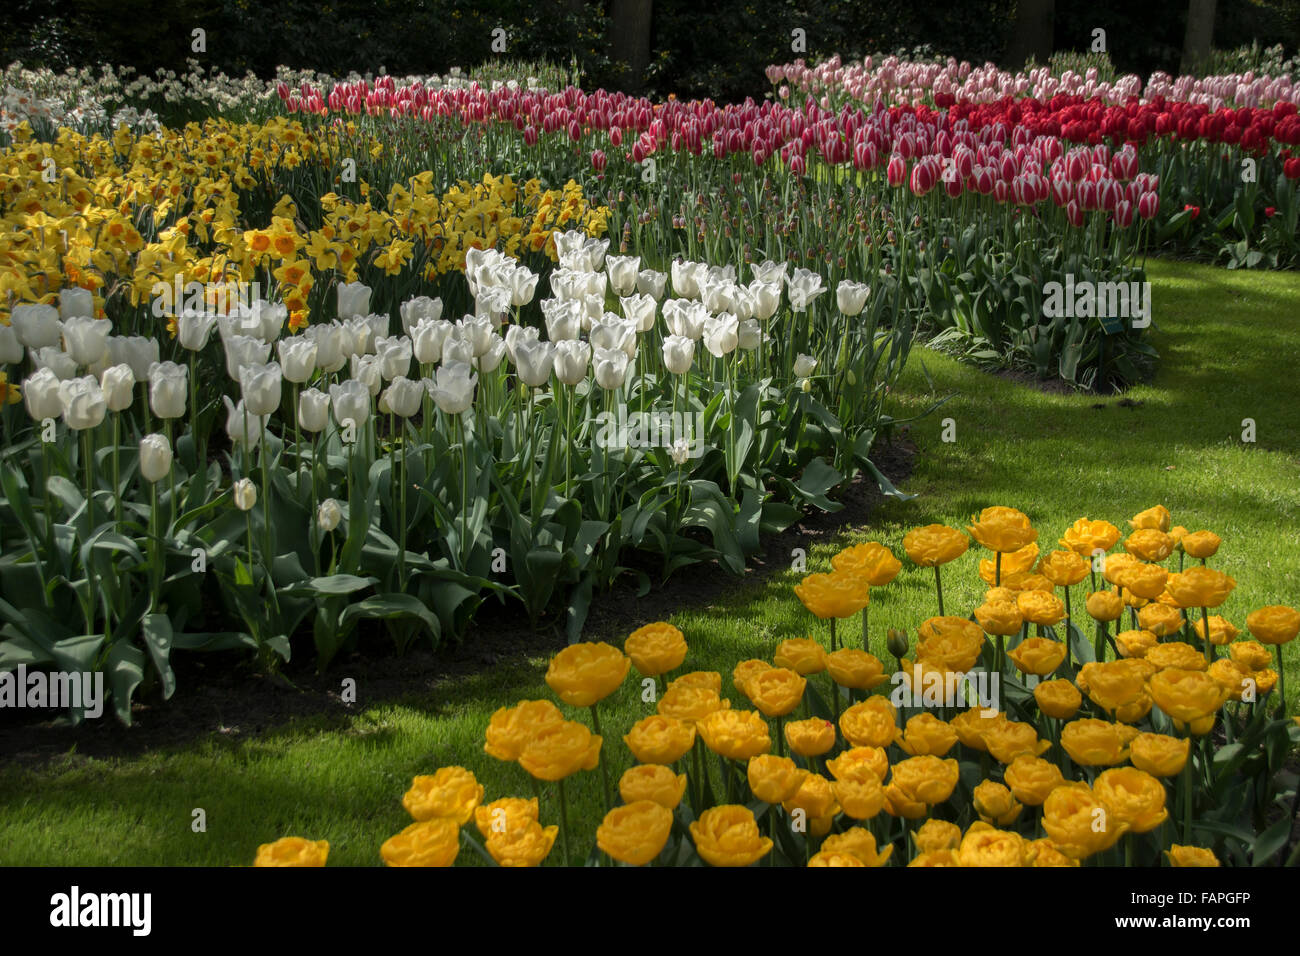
(432, 842)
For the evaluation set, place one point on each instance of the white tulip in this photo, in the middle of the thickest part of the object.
(611, 367)
(718, 296)
(297, 358)
(351, 400)
(330, 356)
(453, 389)
(534, 361)
(75, 302)
(427, 338)
(134, 350)
(118, 385)
(478, 332)
(851, 297)
(597, 284)
(313, 410)
(685, 276)
(566, 242)
(155, 457)
(262, 387)
(402, 398)
(82, 402)
(622, 272)
(804, 365)
(167, 389)
(804, 286)
(86, 339)
(651, 283)
(37, 326)
(685, 318)
(11, 350)
(417, 310)
(394, 356)
(367, 370)
(354, 300)
(489, 360)
(517, 334)
(41, 395)
(328, 515)
(63, 365)
(563, 319)
(269, 318)
(237, 418)
(765, 298)
(749, 334)
(571, 360)
(722, 335)
(640, 310)
(244, 350)
(492, 304)
(194, 328)
(614, 333)
(457, 350)
(768, 272)
(679, 354)
(522, 285)
(245, 494)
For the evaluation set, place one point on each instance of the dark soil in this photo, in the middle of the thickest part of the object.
(225, 696)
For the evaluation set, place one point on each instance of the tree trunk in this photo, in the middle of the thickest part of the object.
(629, 34)
(1033, 32)
(1199, 38)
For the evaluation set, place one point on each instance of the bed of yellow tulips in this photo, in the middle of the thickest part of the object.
(1026, 734)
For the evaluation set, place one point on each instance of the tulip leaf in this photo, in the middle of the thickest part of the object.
(125, 669)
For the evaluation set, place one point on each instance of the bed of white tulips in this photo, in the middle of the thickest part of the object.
(601, 420)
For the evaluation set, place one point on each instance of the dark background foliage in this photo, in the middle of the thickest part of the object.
(713, 49)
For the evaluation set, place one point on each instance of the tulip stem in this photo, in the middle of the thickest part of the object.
(88, 455)
(604, 764)
(1281, 686)
(564, 822)
(1209, 648)
(832, 635)
(1187, 794)
(938, 586)
(997, 569)
(117, 498)
(866, 640)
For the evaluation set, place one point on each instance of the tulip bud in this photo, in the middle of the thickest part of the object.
(245, 494)
(155, 457)
(328, 515)
(897, 643)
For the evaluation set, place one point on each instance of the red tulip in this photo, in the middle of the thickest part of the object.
(598, 160)
(896, 171)
(1073, 213)
(1123, 214)
(1196, 210)
(1148, 205)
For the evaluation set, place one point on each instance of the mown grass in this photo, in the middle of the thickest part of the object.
(1227, 346)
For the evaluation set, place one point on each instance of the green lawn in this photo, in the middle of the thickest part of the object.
(1228, 353)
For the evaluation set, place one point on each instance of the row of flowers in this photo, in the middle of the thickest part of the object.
(1077, 757)
(900, 82)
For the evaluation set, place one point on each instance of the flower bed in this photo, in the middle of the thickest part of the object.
(392, 467)
(1014, 737)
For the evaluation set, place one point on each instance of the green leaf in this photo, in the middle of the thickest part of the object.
(124, 667)
(157, 631)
